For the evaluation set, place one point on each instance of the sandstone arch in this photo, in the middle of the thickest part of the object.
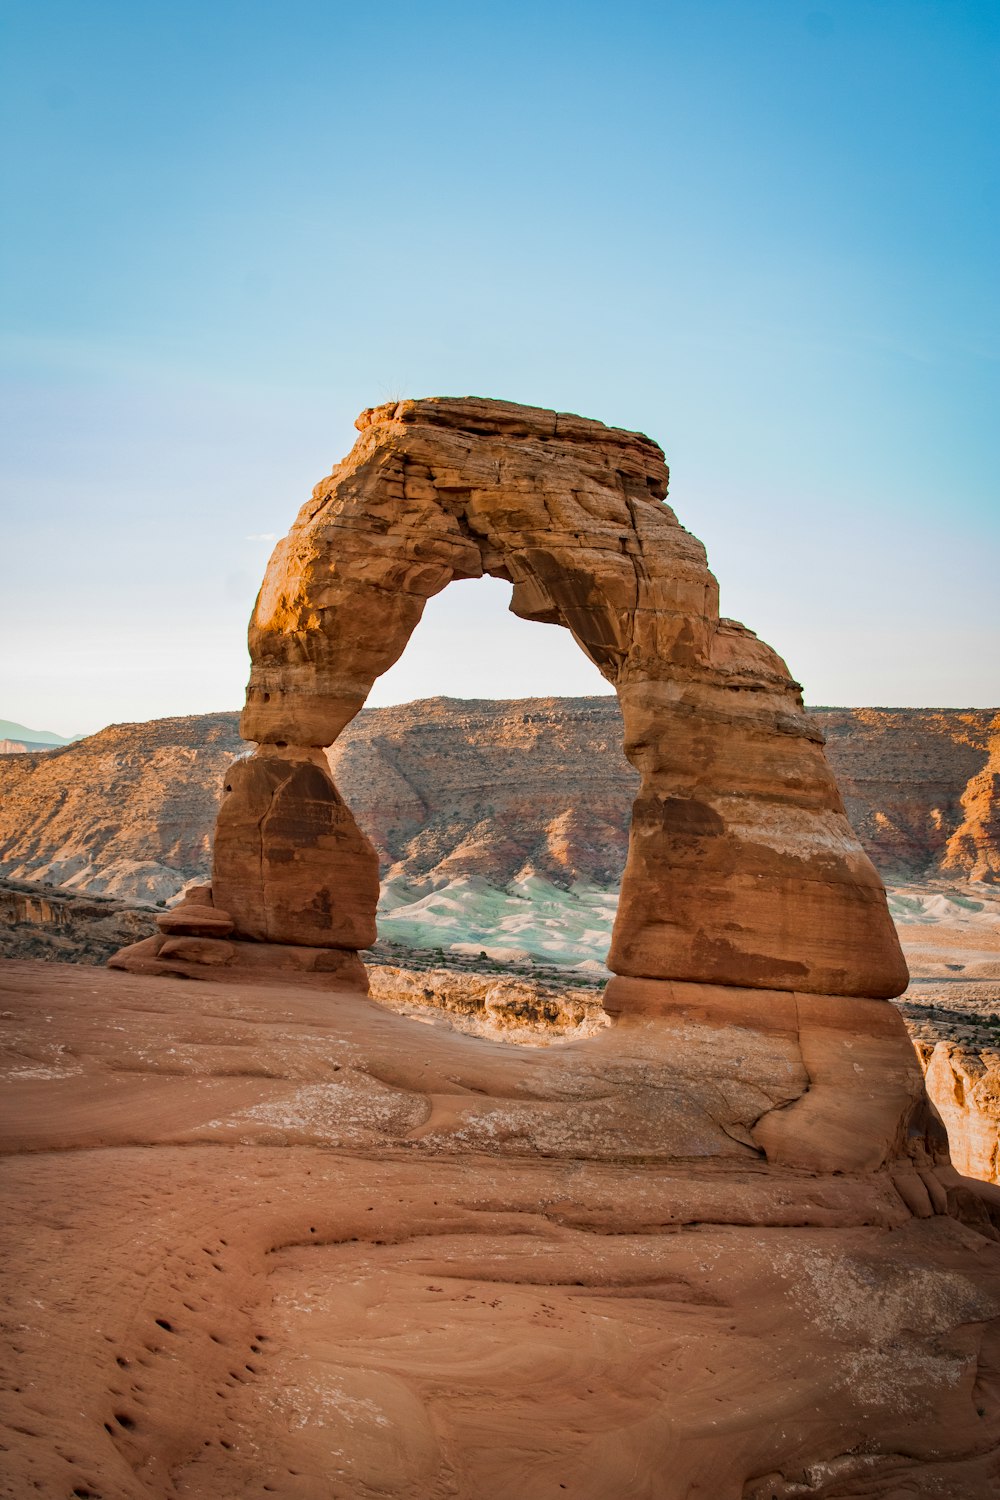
(742, 868)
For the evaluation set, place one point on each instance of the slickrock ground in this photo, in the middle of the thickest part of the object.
(268, 1242)
(951, 939)
(498, 1007)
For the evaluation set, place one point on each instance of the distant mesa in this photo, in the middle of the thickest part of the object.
(447, 788)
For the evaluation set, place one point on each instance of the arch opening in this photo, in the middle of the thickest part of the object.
(504, 797)
(470, 645)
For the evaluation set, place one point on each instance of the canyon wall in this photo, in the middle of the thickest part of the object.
(67, 926)
(447, 787)
(128, 812)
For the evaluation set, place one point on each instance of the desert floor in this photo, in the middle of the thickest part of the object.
(271, 1242)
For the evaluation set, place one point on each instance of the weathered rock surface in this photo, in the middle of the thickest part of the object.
(964, 1084)
(192, 943)
(500, 790)
(290, 862)
(793, 1291)
(903, 774)
(957, 1039)
(742, 866)
(974, 847)
(258, 1243)
(127, 813)
(499, 1007)
(38, 921)
(446, 787)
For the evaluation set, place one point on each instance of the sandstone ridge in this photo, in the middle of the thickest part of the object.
(713, 1245)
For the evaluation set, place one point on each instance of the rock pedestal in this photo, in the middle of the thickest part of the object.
(194, 943)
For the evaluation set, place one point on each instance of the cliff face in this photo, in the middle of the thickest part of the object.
(65, 927)
(18, 747)
(974, 847)
(903, 774)
(126, 813)
(965, 1087)
(495, 790)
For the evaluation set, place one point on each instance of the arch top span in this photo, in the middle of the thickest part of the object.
(742, 868)
(569, 511)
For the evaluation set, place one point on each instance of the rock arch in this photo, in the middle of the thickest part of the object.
(742, 867)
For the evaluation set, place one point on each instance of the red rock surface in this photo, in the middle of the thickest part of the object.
(127, 813)
(974, 847)
(291, 864)
(965, 1087)
(903, 774)
(258, 1243)
(714, 1248)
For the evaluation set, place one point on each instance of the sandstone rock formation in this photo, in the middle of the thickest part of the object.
(39, 921)
(497, 790)
(975, 846)
(965, 1086)
(193, 941)
(714, 1248)
(257, 1243)
(903, 774)
(742, 867)
(499, 1007)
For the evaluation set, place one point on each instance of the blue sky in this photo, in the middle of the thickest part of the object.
(764, 232)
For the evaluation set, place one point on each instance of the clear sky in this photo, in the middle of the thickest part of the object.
(763, 231)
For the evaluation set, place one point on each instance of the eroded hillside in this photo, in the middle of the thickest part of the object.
(497, 791)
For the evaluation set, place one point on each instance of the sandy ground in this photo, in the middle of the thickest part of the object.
(264, 1242)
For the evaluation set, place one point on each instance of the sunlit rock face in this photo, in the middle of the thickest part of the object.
(742, 867)
(974, 847)
(964, 1083)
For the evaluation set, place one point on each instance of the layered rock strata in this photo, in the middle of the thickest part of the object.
(38, 921)
(903, 773)
(974, 847)
(965, 1086)
(736, 1179)
(193, 942)
(742, 867)
(127, 813)
(446, 787)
